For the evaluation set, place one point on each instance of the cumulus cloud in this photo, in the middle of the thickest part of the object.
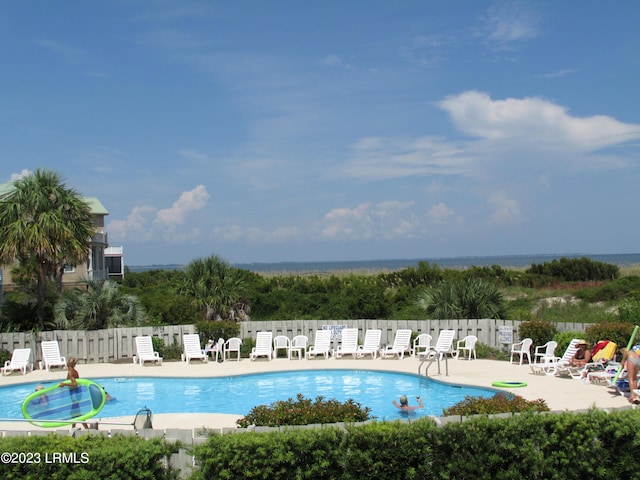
(533, 120)
(188, 202)
(390, 219)
(146, 222)
(18, 176)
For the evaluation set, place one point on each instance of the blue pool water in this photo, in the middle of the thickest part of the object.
(239, 394)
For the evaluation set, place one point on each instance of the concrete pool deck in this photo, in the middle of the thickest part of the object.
(559, 393)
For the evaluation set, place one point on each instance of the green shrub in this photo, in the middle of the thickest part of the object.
(295, 454)
(89, 456)
(620, 333)
(499, 403)
(213, 330)
(540, 331)
(167, 352)
(303, 411)
(246, 347)
(485, 351)
(4, 356)
(629, 311)
(564, 338)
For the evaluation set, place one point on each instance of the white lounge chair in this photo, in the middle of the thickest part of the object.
(281, 342)
(144, 351)
(444, 346)
(19, 361)
(545, 353)
(558, 365)
(422, 343)
(401, 344)
(371, 345)
(51, 355)
(299, 346)
(192, 349)
(523, 349)
(233, 345)
(467, 345)
(321, 344)
(348, 343)
(263, 346)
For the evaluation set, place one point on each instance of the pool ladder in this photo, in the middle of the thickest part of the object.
(431, 358)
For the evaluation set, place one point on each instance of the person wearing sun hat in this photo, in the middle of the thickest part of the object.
(404, 406)
(582, 355)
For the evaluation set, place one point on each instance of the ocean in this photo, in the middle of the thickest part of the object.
(505, 261)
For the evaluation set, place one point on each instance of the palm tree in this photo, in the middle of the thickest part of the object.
(44, 221)
(470, 298)
(102, 305)
(216, 287)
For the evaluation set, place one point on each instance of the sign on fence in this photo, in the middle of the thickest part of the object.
(336, 331)
(505, 334)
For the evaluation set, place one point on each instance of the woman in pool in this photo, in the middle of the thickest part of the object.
(72, 376)
(404, 406)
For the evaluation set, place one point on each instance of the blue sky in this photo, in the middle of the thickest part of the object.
(332, 130)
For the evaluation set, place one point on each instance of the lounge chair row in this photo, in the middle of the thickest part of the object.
(21, 358)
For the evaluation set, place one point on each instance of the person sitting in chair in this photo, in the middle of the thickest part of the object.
(582, 355)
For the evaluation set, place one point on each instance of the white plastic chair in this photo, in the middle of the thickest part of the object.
(467, 344)
(263, 346)
(281, 342)
(401, 344)
(51, 355)
(371, 345)
(523, 349)
(299, 346)
(444, 346)
(19, 361)
(321, 344)
(191, 348)
(422, 343)
(232, 345)
(545, 353)
(348, 343)
(145, 353)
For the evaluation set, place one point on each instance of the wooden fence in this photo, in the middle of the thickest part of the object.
(109, 345)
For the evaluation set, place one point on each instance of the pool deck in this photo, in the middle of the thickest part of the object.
(559, 393)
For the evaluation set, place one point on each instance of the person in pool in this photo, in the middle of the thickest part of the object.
(72, 377)
(404, 406)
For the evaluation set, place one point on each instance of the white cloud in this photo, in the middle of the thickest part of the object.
(18, 176)
(506, 211)
(533, 120)
(390, 219)
(440, 213)
(380, 158)
(135, 226)
(510, 21)
(146, 222)
(188, 202)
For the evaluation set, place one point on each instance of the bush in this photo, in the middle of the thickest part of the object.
(629, 311)
(4, 356)
(619, 333)
(564, 338)
(499, 403)
(303, 411)
(167, 352)
(213, 330)
(92, 456)
(540, 331)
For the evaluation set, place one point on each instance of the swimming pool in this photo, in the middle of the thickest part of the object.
(239, 394)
